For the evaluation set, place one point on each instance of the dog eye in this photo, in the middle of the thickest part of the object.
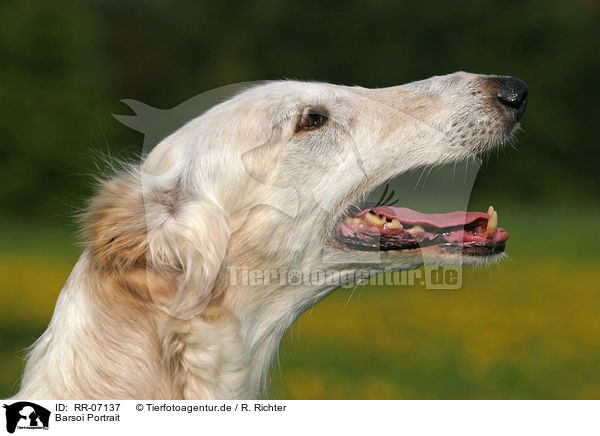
(311, 119)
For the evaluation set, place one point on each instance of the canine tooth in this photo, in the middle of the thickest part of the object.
(492, 224)
(374, 220)
(490, 210)
(395, 224)
(415, 229)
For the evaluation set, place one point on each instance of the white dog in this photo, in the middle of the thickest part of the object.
(152, 310)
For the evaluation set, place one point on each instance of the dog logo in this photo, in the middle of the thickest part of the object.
(26, 415)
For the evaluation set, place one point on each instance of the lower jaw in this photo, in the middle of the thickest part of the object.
(387, 244)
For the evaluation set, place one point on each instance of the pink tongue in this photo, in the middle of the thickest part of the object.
(439, 220)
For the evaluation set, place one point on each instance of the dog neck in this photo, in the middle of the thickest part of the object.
(121, 350)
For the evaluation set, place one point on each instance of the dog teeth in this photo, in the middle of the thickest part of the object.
(492, 224)
(353, 222)
(374, 220)
(490, 210)
(415, 229)
(395, 224)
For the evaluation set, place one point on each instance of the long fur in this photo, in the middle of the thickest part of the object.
(151, 310)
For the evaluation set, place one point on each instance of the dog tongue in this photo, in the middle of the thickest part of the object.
(439, 220)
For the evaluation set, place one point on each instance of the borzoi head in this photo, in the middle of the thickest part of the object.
(283, 168)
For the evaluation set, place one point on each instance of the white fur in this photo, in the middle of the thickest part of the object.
(200, 201)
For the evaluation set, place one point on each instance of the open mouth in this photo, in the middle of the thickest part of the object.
(389, 228)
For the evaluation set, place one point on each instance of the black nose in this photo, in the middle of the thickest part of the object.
(513, 93)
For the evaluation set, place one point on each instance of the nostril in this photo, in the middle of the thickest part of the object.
(513, 93)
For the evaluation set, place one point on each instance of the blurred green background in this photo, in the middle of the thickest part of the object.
(528, 328)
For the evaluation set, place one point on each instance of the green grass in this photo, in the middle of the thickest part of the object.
(518, 331)
(528, 328)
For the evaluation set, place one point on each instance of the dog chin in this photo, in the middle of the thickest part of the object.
(438, 258)
(434, 256)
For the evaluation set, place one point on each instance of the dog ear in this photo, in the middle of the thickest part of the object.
(193, 243)
(157, 246)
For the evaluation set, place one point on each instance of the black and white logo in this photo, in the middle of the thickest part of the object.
(26, 415)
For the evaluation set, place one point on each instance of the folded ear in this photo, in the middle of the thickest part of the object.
(157, 247)
(194, 243)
